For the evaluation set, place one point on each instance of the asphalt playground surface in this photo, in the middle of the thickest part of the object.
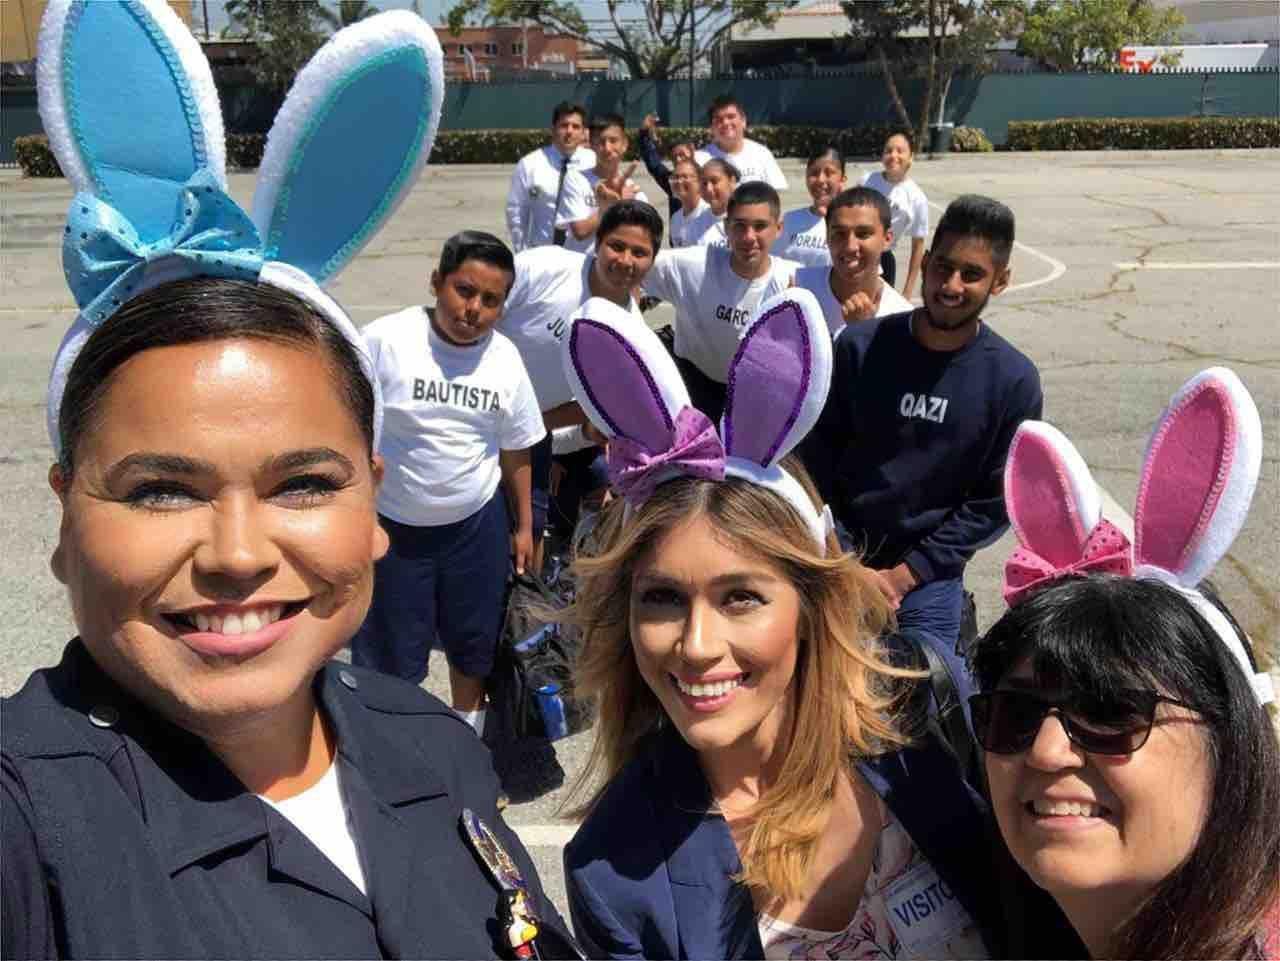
(1133, 271)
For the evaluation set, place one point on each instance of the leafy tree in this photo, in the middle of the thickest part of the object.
(652, 37)
(351, 11)
(1080, 34)
(933, 39)
(285, 32)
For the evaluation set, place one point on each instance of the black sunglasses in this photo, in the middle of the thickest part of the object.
(1007, 721)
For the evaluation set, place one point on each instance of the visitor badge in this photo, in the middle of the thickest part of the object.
(924, 911)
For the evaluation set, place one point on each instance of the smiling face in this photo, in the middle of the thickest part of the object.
(623, 257)
(714, 632)
(469, 300)
(751, 229)
(856, 238)
(218, 546)
(1087, 826)
(685, 184)
(896, 158)
(960, 276)
(717, 188)
(825, 179)
(610, 144)
(728, 127)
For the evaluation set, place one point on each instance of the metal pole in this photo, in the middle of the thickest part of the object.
(693, 52)
(206, 20)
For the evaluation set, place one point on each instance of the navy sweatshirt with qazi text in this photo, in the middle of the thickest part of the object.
(910, 448)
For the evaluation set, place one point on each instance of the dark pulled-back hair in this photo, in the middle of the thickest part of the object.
(566, 107)
(476, 245)
(755, 192)
(1101, 633)
(829, 152)
(635, 212)
(862, 197)
(196, 310)
(973, 215)
(724, 166)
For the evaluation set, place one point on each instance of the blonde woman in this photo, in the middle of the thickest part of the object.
(750, 792)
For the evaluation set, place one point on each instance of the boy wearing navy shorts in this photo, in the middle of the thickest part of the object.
(460, 419)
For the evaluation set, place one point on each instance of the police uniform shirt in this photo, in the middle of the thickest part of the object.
(713, 304)
(531, 198)
(125, 836)
(551, 283)
(447, 413)
(817, 280)
(753, 161)
(579, 203)
(803, 238)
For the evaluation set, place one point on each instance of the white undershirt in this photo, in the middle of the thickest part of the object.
(321, 813)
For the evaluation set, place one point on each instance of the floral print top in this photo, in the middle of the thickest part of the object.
(907, 911)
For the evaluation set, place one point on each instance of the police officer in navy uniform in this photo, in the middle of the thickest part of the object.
(197, 777)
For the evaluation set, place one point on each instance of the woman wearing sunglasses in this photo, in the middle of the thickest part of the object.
(1133, 768)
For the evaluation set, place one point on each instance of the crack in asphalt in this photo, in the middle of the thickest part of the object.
(1263, 634)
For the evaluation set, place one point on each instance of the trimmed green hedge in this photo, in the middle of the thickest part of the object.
(1143, 133)
(971, 140)
(34, 156)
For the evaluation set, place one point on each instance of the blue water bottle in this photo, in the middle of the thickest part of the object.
(551, 706)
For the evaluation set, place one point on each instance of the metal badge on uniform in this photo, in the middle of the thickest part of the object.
(924, 911)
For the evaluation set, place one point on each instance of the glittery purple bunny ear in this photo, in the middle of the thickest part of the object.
(778, 380)
(622, 376)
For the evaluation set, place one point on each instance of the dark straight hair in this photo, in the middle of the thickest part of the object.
(566, 107)
(755, 192)
(634, 212)
(862, 197)
(829, 152)
(1101, 633)
(720, 103)
(973, 215)
(603, 121)
(476, 245)
(724, 166)
(196, 310)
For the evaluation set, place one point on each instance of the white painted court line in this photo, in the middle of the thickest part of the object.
(1056, 267)
(1203, 265)
(544, 835)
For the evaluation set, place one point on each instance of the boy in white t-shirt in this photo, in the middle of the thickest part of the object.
(460, 418)
(851, 289)
(909, 205)
(728, 125)
(551, 283)
(804, 230)
(715, 292)
(588, 193)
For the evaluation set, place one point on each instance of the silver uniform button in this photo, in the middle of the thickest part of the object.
(349, 679)
(103, 715)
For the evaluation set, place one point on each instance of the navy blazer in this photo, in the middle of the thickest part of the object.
(650, 872)
(124, 836)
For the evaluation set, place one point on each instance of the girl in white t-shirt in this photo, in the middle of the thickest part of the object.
(460, 417)
(718, 179)
(686, 186)
(804, 230)
(909, 205)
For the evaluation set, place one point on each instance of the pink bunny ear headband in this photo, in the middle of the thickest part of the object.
(629, 387)
(1198, 479)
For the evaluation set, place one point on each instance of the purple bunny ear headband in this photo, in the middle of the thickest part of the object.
(629, 387)
(152, 203)
(1198, 479)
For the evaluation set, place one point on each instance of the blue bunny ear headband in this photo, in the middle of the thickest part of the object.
(132, 114)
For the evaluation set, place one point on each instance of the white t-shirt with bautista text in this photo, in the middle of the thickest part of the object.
(551, 283)
(713, 304)
(447, 412)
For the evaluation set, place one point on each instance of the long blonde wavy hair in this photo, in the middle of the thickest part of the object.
(844, 690)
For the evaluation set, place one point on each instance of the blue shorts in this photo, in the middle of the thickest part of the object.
(444, 584)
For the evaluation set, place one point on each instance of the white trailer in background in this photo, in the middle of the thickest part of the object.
(1197, 56)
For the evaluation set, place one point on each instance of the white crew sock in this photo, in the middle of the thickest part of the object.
(474, 718)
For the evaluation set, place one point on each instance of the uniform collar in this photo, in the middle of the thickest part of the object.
(191, 803)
